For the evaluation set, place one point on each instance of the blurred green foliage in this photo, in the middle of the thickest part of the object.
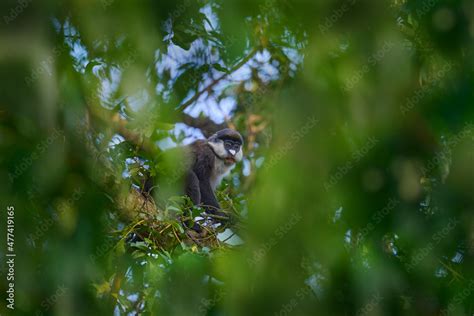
(355, 195)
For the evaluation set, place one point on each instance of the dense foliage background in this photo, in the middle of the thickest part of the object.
(355, 194)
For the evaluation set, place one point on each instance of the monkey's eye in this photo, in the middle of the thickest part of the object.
(228, 144)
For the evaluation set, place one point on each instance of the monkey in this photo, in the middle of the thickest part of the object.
(207, 162)
(213, 159)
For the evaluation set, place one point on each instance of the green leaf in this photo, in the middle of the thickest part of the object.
(220, 68)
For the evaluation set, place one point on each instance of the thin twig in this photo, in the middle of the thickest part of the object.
(216, 81)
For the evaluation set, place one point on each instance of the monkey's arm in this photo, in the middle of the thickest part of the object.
(147, 184)
(202, 167)
(208, 199)
(192, 188)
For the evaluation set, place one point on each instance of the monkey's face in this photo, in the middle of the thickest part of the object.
(234, 151)
(228, 149)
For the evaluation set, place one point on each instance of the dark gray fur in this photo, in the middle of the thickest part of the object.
(198, 183)
(201, 175)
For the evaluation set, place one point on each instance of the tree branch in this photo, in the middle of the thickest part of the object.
(119, 126)
(217, 80)
(205, 124)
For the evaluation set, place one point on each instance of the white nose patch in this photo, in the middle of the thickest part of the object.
(232, 151)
